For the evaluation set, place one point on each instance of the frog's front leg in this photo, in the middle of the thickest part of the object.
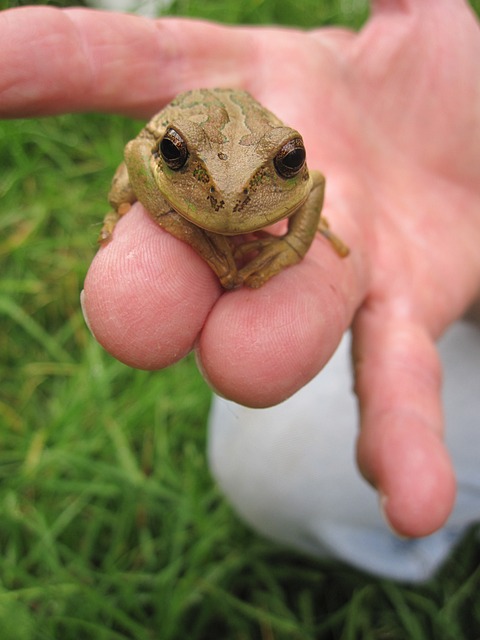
(277, 253)
(215, 249)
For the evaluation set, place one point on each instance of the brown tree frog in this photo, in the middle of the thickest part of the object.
(213, 168)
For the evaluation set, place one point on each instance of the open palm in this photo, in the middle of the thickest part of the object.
(392, 117)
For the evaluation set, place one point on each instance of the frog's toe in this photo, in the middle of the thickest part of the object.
(251, 246)
(256, 280)
(109, 223)
(229, 283)
(229, 279)
(105, 235)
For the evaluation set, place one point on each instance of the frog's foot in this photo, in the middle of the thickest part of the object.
(275, 254)
(242, 252)
(225, 270)
(229, 281)
(339, 246)
(110, 222)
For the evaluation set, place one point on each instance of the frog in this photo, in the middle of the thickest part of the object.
(214, 168)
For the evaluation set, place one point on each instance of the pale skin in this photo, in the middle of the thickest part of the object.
(391, 116)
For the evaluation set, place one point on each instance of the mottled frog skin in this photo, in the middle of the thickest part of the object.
(215, 164)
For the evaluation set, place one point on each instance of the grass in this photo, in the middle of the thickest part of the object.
(110, 525)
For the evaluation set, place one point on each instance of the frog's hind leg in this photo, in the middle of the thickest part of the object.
(339, 246)
(121, 198)
(110, 222)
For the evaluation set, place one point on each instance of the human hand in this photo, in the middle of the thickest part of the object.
(392, 117)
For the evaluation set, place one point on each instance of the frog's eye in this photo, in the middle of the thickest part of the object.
(173, 149)
(290, 160)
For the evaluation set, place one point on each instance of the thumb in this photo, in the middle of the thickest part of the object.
(400, 447)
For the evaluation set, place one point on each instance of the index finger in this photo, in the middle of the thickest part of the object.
(80, 60)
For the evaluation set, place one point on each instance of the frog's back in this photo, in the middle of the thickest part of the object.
(227, 115)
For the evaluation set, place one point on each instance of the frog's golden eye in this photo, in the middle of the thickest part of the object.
(173, 149)
(290, 160)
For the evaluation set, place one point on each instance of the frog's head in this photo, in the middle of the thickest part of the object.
(230, 180)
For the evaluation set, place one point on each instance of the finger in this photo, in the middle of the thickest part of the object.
(400, 447)
(147, 295)
(76, 60)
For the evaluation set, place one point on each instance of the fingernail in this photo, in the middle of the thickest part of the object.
(84, 311)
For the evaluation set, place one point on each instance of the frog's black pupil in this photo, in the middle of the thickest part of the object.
(290, 160)
(173, 149)
(295, 159)
(169, 150)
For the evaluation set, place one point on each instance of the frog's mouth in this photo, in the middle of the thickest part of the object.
(238, 218)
